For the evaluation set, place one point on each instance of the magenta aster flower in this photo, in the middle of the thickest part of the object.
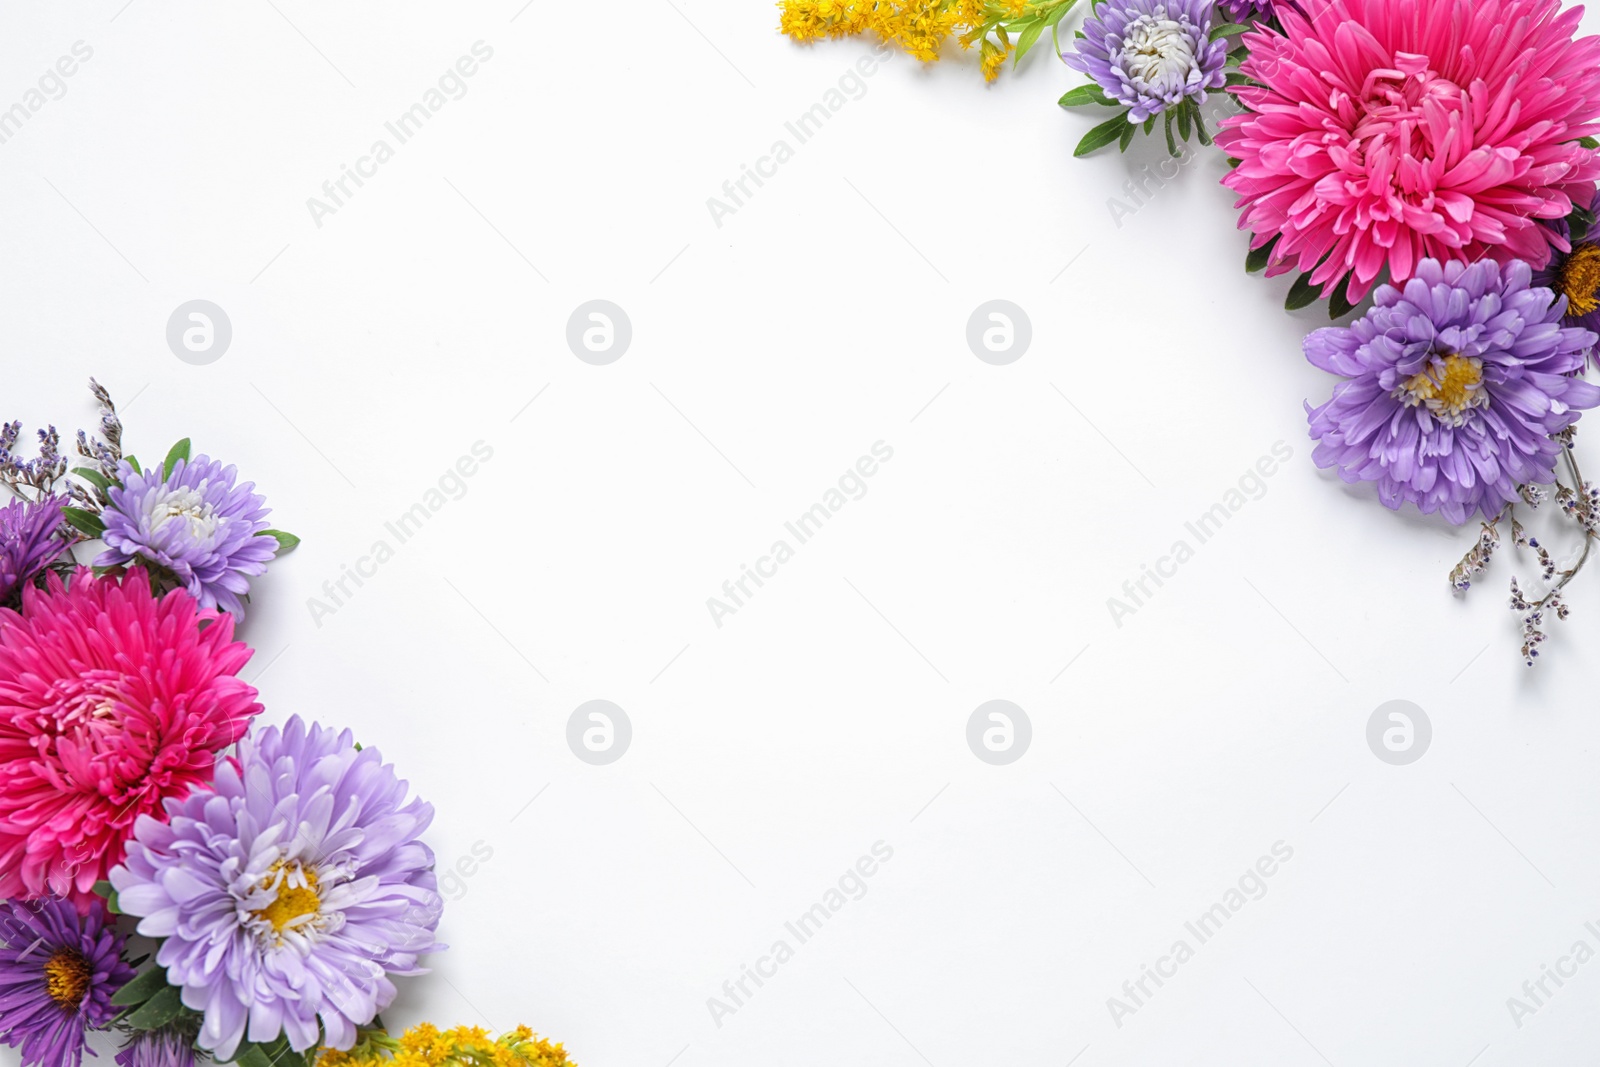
(29, 541)
(195, 523)
(1151, 54)
(58, 970)
(1384, 132)
(111, 701)
(1453, 387)
(290, 894)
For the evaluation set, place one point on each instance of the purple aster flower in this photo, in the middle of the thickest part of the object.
(1151, 54)
(195, 523)
(290, 893)
(1576, 274)
(58, 971)
(29, 541)
(1453, 387)
(166, 1047)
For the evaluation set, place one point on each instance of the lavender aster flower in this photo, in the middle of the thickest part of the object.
(290, 894)
(1454, 386)
(1151, 54)
(166, 1047)
(195, 523)
(58, 971)
(29, 541)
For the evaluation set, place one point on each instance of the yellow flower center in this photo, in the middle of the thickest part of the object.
(1578, 279)
(66, 977)
(296, 895)
(1448, 387)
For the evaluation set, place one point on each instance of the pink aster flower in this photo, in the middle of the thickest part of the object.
(111, 701)
(1384, 132)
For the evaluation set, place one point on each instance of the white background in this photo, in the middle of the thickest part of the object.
(829, 713)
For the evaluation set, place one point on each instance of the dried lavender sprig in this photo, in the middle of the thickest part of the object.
(110, 422)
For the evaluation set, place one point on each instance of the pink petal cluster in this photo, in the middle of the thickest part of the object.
(1384, 132)
(111, 701)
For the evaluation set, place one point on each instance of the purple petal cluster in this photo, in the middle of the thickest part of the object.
(1151, 54)
(166, 1047)
(289, 893)
(1245, 12)
(1453, 387)
(58, 971)
(196, 523)
(29, 541)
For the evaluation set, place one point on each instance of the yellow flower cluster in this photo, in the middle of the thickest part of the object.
(425, 1045)
(919, 27)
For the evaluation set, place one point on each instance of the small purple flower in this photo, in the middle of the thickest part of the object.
(166, 1047)
(29, 541)
(1245, 12)
(1151, 54)
(289, 893)
(195, 523)
(1453, 387)
(1575, 274)
(58, 970)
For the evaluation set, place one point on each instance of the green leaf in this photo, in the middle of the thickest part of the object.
(1183, 122)
(1258, 258)
(1172, 146)
(1030, 34)
(1589, 142)
(1200, 128)
(1301, 293)
(93, 477)
(85, 522)
(1127, 137)
(1579, 223)
(156, 1012)
(276, 1053)
(251, 1055)
(1103, 134)
(108, 892)
(1235, 78)
(144, 986)
(1339, 304)
(1084, 95)
(286, 541)
(1055, 15)
(175, 453)
(1227, 29)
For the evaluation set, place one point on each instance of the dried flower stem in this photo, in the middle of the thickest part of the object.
(1581, 502)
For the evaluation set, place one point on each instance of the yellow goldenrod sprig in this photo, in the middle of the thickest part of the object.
(425, 1045)
(1002, 29)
